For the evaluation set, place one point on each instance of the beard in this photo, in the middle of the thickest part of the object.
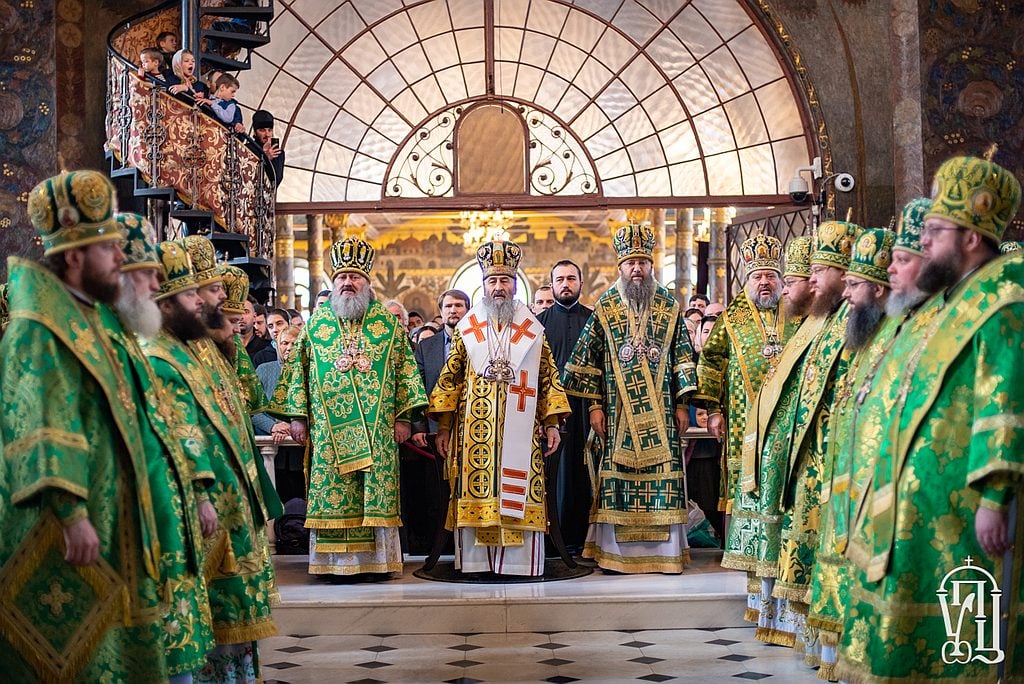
(500, 311)
(797, 307)
(768, 300)
(567, 300)
(213, 317)
(862, 323)
(939, 274)
(183, 324)
(227, 349)
(138, 311)
(827, 301)
(351, 308)
(94, 284)
(901, 302)
(638, 295)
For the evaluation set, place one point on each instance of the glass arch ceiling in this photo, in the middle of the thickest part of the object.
(667, 98)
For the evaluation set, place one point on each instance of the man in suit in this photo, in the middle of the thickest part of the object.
(424, 506)
(432, 352)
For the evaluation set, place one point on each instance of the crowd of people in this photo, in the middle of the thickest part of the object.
(861, 395)
(165, 67)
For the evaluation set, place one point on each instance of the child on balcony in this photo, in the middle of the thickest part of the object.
(184, 82)
(151, 61)
(224, 105)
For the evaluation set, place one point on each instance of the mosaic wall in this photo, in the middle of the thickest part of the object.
(28, 132)
(972, 78)
(52, 95)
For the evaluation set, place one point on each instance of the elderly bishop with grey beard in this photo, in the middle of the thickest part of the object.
(351, 389)
(634, 365)
(498, 403)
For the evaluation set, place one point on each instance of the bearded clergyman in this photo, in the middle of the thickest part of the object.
(498, 403)
(745, 343)
(634, 365)
(351, 389)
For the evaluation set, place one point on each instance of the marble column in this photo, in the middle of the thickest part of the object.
(284, 260)
(684, 254)
(657, 217)
(315, 255)
(718, 284)
(905, 90)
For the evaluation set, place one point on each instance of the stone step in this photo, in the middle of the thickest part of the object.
(704, 596)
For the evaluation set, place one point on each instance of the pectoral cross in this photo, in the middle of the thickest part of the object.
(475, 327)
(522, 391)
(521, 330)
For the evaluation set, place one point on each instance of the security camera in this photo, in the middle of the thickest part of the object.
(799, 190)
(845, 182)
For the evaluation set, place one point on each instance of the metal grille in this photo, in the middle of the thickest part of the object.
(783, 223)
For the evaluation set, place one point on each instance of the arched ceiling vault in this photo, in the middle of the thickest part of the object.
(663, 101)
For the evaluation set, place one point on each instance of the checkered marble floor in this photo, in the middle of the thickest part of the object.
(680, 655)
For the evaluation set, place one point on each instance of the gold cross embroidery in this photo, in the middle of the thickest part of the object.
(56, 598)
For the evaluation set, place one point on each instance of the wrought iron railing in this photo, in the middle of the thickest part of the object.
(174, 144)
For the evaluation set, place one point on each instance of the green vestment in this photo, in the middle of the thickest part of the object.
(846, 467)
(753, 540)
(184, 602)
(951, 442)
(352, 460)
(216, 435)
(826, 361)
(744, 344)
(641, 487)
(72, 449)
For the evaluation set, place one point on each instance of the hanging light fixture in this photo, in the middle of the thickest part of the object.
(483, 226)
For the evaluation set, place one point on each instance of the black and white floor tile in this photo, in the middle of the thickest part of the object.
(680, 655)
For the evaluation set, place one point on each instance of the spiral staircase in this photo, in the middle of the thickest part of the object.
(176, 163)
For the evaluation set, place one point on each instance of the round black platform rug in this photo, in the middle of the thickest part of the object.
(554, 569)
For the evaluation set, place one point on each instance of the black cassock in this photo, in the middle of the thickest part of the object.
(562, 327)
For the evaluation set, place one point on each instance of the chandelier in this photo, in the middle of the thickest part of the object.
(483, 226)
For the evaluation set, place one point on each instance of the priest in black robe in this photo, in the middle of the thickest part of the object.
(563, 324)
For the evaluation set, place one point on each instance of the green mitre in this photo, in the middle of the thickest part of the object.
(872, 254)
(911, 223)
(139, 245)
(976, 194)
(833, 242)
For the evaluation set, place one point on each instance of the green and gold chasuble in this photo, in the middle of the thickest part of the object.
(744, 344)
(801, 494)
(72, 450)
(474, 409)
(352, 458)
(640, 485)
(753, 540)
(951, 440)
(215, 434)
(184, 603)
(847, 465)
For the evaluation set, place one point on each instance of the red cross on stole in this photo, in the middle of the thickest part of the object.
(521, 330)
(522, 390)
(476, 327)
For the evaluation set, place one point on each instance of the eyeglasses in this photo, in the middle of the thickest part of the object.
(930, 231)
(855, 285)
